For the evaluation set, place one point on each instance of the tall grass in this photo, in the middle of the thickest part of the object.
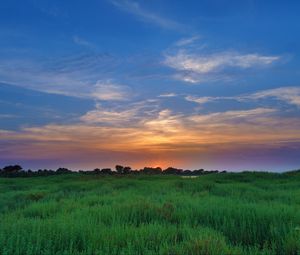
(248, 213)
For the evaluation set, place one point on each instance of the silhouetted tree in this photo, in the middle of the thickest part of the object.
(126, 170)
(198, 172)
(172, 170)
(16, 171)
(187, 172)
(106, 171)
(119, 169)
(63, 170)
(152, 170)
(97, 171)
(12, 169)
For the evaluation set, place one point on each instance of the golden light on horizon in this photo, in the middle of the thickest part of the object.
(176, 141)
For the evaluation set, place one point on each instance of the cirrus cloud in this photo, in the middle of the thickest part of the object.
(109, 91)
(288, 95)
(195, 67)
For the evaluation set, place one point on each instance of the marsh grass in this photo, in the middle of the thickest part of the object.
(247, 213)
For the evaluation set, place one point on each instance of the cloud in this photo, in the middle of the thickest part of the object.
(76, 75)
(168, 95)
(289, 95)
(193, 61)
(135, 9)
(82, 42)
(187, 41)
(199, 100)
(127, 114)
(203, 64)
(110, 117)
(229, 116)
(162, 133)
(108, 91)
(7, 116)
(188, 77)
(165, 122)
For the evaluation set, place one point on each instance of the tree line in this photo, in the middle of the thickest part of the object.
(18, 171)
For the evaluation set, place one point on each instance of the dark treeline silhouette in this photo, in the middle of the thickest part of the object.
(18, 171)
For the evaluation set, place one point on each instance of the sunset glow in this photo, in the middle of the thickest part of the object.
(145, 84)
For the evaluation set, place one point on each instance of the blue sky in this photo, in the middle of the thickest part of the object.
(191, 84)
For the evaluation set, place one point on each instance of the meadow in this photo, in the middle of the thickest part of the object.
(230, 213)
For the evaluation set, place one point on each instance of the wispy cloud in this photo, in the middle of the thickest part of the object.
(168, 95)
(82, 42)
(110, 117)
(163, 131)
(7, 116)
(137, 10)
(121, 114)
(79, 75)
(165, 122)
(229, 116)
(209, 63)
(139, 130)
(76, 76)
(194, 67)
(109, 91)
(289, 95)
(187, 41)
(200, 100)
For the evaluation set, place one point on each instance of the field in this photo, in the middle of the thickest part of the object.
(245, 213)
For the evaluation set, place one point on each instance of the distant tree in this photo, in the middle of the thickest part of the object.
(12, 169)
(106, 171)
(198, 172)
(63, 170)
(172, 170)
(152, 170)
(119, 169)
(126, 170)
(187, 172)
(97, 171)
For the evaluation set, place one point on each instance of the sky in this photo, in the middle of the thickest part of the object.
(208, 84)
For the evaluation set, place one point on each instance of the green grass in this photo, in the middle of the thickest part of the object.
(247, 213)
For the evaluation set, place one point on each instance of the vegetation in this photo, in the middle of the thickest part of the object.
(17, 171)
(230, 213)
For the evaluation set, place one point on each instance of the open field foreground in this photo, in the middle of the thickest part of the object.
(245, 213)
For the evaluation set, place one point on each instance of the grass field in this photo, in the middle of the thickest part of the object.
(246, 213)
